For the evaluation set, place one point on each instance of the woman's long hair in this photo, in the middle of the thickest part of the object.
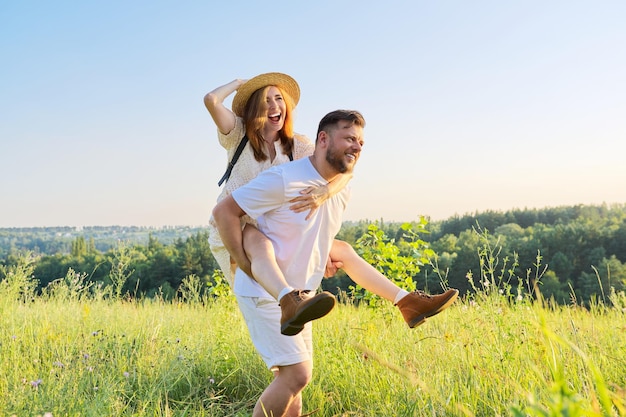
(255, 116)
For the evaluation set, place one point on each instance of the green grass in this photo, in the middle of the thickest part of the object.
(99, 357)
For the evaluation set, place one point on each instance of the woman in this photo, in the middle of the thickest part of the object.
(262, 111)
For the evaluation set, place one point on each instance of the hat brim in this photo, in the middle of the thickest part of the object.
(284, 81)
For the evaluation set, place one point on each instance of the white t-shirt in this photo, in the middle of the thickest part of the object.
(301, 246)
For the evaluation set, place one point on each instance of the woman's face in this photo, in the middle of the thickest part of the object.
(276, 109)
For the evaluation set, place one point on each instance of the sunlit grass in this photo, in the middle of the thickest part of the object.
(120, 358)
(483, 357)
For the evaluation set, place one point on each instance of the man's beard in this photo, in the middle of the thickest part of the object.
(337, 161)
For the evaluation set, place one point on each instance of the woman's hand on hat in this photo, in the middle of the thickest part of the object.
(239, 82)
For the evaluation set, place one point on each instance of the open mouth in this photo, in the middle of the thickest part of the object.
(274, 117)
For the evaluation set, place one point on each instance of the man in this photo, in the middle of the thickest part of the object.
(302, 247)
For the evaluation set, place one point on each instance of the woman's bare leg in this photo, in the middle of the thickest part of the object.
(362, 272)
(260, 251)
(298, 306)
(415, 307)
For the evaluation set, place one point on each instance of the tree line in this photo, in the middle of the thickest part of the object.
(572, 254)
(580, 250)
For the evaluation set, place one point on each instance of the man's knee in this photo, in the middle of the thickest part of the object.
(301, 379)
(296, 376)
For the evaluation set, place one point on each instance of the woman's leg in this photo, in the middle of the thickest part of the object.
(260, 251)
(298, 306)
(363, 273)
(415, 307)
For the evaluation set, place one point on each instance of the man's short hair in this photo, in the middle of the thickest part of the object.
(334, 117)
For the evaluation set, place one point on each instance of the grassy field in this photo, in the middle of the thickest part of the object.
(67, 355)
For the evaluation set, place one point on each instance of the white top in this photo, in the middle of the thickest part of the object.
(302, 246)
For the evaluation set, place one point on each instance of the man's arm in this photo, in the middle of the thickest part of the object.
(227, 215)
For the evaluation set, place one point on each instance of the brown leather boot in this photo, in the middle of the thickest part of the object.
(417, 306)
(298, 308)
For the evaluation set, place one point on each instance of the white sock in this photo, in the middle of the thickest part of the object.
(399, 296)
(284, 292)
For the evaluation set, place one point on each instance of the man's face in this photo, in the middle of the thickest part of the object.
(344, 146)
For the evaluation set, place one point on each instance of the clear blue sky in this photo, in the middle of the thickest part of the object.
(470, 105)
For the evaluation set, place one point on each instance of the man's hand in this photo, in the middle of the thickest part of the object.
(245, 266)
(332, 267)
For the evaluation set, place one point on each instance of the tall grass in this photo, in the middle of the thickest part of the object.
(155, 358)
(113, 358)
(77, 350)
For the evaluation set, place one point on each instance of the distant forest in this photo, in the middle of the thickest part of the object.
(574, 253)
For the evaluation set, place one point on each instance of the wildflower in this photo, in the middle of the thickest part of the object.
(126, 374)
(48, 414)
(85, 356)
(14, 337)
(90, 369)
(211, 381)
(36, 383)
(95, 333)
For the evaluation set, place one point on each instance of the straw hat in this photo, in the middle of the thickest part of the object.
(284, 81)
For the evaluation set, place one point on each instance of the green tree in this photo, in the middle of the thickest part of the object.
(552, 288)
